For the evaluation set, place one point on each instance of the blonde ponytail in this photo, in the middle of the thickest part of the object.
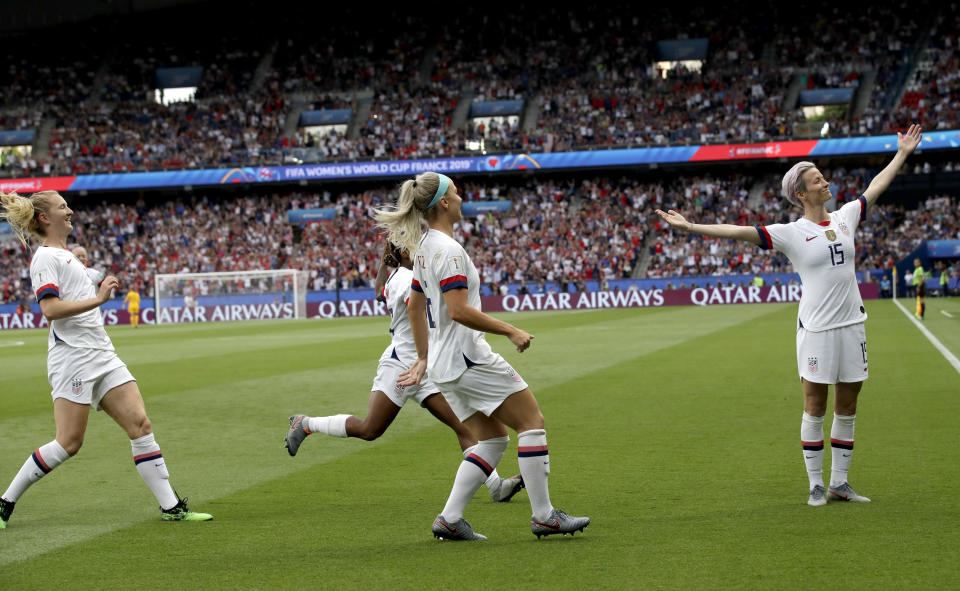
(21, 213)
(402, 222)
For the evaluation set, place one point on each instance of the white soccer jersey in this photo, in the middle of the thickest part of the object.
(440, 265)
(95, 276)
(823, 255)
(57, 272)
(397, 291)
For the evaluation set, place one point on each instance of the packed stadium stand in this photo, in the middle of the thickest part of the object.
(587, 78)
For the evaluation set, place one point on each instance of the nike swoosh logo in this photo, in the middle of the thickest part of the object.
(452, 530)
(809, 457)
(554, 525)
(810, 238)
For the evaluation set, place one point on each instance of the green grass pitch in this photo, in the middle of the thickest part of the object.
(675, 429)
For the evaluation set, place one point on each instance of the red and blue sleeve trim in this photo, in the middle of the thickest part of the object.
(48, 290)
(454, 282)
(415, 286)
(863, 208)
(766, 242)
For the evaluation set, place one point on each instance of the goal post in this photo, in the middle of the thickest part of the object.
(230, 295)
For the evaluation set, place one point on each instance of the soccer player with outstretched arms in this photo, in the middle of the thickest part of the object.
(82, 365)
(485, 392)
(386, 396)
(831, 341)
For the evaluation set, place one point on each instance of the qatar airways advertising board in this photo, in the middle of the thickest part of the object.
(541, 302)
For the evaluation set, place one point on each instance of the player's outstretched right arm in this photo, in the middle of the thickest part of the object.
(54, 308)
(744, 233)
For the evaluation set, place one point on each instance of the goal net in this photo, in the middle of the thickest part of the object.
(230, 295)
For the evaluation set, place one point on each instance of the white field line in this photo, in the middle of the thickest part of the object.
(950, 357)
(947, 314)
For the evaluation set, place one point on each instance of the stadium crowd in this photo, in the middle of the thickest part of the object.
(561, 232)
(603, 90)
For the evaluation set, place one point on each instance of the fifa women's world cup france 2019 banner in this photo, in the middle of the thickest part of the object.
(494, 163)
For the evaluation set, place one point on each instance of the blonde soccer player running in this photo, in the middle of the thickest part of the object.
(386, 396)
(449, 328)
(831, 341)
(82, 366)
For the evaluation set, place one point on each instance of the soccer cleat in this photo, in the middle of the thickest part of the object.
(296, 434)
(843, 492)
(818, 496)
(6, 509)
(506, 488)
(179, 512)
(456, 532)
(558, 523)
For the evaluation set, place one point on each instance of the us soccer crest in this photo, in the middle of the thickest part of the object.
(844, 229)
(831, 235)
(812, 364)
(77, 385)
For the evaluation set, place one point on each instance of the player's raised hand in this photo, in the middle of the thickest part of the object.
(521, 340)
(107, 286)
(674, 219)
(414, 374)
(908, 142)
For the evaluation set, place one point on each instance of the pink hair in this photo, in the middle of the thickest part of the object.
(793, 181)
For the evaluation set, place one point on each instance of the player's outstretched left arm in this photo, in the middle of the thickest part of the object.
(906, 144)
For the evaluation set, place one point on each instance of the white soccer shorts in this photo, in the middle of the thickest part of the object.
(482, 388)
(833, 355)
(84, 376)
(388, 371)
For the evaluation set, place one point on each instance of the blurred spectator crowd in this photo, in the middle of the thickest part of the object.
(589, 78)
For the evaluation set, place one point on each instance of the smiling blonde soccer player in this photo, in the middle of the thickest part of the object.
(82, 366)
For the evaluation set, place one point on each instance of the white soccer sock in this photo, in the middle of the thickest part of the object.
(476, 467)
(841, 448)
(811, 438)
(494, 479)
(153, 470)
(534, 460)
(38, 465)
(335, 426)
